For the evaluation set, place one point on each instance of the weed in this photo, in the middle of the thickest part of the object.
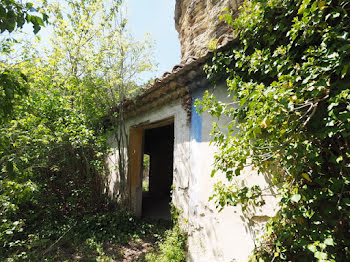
(172, 248)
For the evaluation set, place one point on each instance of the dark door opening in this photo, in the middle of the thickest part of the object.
(158, 151)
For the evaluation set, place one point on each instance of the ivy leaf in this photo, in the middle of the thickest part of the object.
(312, 248)
(295, 198)
(329, 241)
(339, 159)
(306, 176)
(321, 4)
(321, 255)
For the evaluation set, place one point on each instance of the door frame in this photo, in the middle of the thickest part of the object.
(136, 148)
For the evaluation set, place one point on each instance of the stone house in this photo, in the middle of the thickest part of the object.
(163, 123)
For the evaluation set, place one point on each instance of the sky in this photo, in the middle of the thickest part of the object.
(157, 18)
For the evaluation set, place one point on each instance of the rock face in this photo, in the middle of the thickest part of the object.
(198, 23)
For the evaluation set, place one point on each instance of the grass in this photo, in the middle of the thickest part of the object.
(105, 236)
(173, 245)
(172, 248)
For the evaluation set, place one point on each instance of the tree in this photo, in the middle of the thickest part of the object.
(53, 148)
(92, 46)
(288, 73)
(101, 61)
(13, 84)
(14, 14)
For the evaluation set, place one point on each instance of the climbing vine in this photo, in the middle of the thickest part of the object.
(289, 79)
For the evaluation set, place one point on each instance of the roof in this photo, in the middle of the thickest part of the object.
(172, 85)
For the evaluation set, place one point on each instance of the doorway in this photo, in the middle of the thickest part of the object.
(151, 158)
(158, 149)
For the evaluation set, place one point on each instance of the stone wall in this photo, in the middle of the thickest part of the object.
(198, 23)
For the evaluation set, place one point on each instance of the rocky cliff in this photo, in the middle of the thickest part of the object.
(198, 23)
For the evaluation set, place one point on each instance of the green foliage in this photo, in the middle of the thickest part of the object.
(52, 133)
(14, 14)
(288, 76)
(92, 44)
(92, 236)
(145, 170)
(172, 247)
(95, 234)
(50, 165)
(13, 85)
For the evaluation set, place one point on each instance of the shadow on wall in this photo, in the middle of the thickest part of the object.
(204, 235)
(255, 217)
(113, 182)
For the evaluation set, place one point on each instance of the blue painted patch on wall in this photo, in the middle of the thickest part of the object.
(196, 118)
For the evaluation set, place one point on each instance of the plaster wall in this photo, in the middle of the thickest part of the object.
(228, 235)
(181, 164)
(212, 236)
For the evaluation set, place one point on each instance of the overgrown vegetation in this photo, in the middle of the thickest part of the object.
(13, 15)
(53, 132)
(288, 76)
(103, 235)
(172, 247)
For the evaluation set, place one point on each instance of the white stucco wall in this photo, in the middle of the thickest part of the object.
(181, 165)
(220, 236)
(212, 236)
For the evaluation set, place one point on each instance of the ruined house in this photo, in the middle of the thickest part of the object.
(163, 124)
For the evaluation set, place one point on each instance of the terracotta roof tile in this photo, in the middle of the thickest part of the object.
(165, 88)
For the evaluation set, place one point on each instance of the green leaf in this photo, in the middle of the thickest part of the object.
(339, 159)
(329, 241)
(321, 255)
(312, 248)
(295, 198)
(344, 70)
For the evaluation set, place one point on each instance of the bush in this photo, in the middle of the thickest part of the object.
(288, 76)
